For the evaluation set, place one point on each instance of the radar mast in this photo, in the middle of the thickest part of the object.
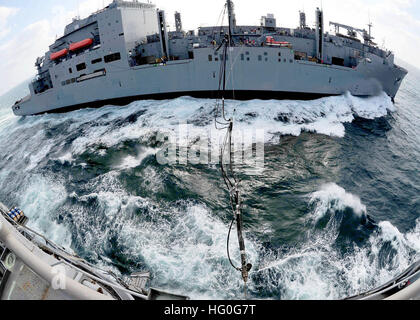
(232, 17)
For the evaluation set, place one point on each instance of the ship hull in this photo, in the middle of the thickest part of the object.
(263, 76)
(236, 95)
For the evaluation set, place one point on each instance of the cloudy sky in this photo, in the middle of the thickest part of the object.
(28, 27)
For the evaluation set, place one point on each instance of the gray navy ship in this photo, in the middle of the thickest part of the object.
(125, 52)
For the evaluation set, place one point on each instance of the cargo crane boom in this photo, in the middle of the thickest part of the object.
(352, 32)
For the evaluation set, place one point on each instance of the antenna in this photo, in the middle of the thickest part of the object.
(370, 25)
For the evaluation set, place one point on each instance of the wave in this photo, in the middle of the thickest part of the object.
(325, 266)
(42, 199)
(183, 242)
(98, 129)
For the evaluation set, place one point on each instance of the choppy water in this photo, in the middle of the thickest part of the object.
(334, 212)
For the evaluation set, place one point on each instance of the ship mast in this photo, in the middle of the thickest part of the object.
(232, 19)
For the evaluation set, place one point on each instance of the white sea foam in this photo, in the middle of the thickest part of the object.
(97, 126)
(134, 161)
(66, 158)
(186, 241)
(40, 201)
(323, 116)
(374, 107)
(184, 244)
(317, 270)
(332, 197)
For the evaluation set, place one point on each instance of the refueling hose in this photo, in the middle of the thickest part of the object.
(229, 177)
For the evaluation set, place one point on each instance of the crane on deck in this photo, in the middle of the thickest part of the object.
(352, 32)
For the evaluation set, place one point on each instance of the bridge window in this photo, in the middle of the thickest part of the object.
(112, 57)
(70, 70)
(81, 66)
(210, 57)
(97, 61)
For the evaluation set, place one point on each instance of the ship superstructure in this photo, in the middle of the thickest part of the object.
(126, 52)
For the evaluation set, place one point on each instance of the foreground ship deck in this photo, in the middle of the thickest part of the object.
(125, 52)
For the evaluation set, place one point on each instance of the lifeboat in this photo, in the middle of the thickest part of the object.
(81, 44)
(270, 41)
(59, 54)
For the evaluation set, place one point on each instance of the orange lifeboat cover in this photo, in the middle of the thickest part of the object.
(59, 54)
(81, 44)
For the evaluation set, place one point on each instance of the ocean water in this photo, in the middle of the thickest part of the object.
(334, 212)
